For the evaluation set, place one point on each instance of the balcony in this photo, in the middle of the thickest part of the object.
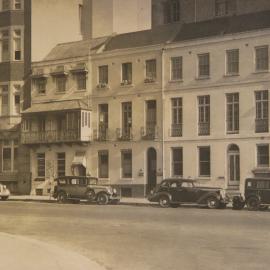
(101, 134)
(53, 136)
(176, 130)
(261, 125)
(204, 128)
(149, 133)
(124, 134)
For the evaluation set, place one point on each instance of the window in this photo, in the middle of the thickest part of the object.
(61, 83)
(225, 7)
(204, 161)
(80, 17)
(103, 74)
(61, 164)
(103, 121)
(177, 162)
(127, 73)
(17, 45)
(177, 117)
(232, 61)
(17, 4)
(263, 155)
(171, 11)
(233, 113)
(126, 120)
(204, 115)
(41, 85)
(5, 45)
(41, 165)
(126, 160)
(5, 4)
(262, 112)
(7, 158)
(4, 98)
(176, 68)
(262, 59)
(81, 81)
(151, 72)
(17, 103)
(204, 65)
(103, 164)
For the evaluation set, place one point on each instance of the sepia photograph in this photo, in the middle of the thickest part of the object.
(134, 134)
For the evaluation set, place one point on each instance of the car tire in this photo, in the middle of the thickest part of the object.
(222, 206)
(62, 197)
(253, 203)
(90, 195)
(4, 198)
(164, 201)
(238, 203)
(102, 199)
(212, 203)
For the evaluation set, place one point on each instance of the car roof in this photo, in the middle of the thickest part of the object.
(74, 176)
(178, 179)
(257, 178)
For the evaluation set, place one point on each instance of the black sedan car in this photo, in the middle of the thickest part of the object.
(173, 192)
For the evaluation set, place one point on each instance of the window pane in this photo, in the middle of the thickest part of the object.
(103, 74)
(177, 162)
(151, 69)
(204, 67)
(204, 160)
(41, 164)
(262, 60)
(263, 155)
(6, 159)
(61, 164)
(126, 164)
(233, 62)
(176, 68)
(103, 164)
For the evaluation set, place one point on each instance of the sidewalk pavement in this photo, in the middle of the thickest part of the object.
(32, 254)
(48, 199)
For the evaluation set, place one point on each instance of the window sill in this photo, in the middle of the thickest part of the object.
(176, 81)
(126, 85)
(150, 83)
(79, 91)
(104, 179)
(231, 75)
(204, 178)
(203, 78)
(41, 94)
(261, 71)
(127, 179)
(60, 93)
(39, 179)
(103, 88)
(232, 132)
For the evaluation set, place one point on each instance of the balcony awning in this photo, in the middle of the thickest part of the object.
(54, 106)
(79, 160)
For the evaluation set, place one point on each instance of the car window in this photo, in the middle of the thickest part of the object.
(62, 181)
(164, 184)
(174, 184)
(82, 182)
(262, 184)
(187, 184)
(74, 181)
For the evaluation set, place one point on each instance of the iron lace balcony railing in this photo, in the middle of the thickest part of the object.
(176, 130)
(149, 133)
(204, 128)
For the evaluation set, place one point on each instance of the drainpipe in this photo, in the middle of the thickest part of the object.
(162, 108)
(195, 10)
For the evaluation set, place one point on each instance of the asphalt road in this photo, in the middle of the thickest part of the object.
(130, 237)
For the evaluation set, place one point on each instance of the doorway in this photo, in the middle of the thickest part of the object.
(151, 169)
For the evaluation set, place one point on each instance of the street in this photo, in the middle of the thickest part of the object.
(126, 237)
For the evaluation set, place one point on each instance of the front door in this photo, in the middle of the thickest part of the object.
(234, 165)
(151, 169)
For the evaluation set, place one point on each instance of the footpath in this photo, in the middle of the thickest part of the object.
(21, 253)
(48, 199)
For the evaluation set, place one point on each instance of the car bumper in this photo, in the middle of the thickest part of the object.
(114, 198)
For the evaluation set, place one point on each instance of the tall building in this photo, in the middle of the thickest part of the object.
(14, 160)
(187, 11)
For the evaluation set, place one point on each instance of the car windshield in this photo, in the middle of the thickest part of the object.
(93, 181)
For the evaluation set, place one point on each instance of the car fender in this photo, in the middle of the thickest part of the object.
(164, 193)
(257, 196)
(203, 199)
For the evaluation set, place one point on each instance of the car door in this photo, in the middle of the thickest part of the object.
(263, 187)
(174, 191)
(187, 193)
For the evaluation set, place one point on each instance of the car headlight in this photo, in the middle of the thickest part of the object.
(114, 191)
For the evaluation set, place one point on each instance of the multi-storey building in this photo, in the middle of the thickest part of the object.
(14, 160)
(188, 11)
(185, 101)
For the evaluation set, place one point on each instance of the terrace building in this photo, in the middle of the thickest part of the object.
(178, 100)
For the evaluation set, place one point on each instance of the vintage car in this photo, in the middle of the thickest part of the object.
(76, 188)
(256, 195)
(4, 192)
(173, 192)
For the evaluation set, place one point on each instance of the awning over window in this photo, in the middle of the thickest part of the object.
(79, 160)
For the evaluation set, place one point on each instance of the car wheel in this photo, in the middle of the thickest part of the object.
(253, 203)
(4, 198)
(164, 201)
(62, 197)
(222, 206)
(102, 199)
(90, 195)
(238, 203)
(212, 203)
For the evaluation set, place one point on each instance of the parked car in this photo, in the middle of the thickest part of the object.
(76, 188)
(4, 192)
(173, 192)
(256, 195)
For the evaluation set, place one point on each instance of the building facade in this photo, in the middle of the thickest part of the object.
(14, 159)
(135, 108)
